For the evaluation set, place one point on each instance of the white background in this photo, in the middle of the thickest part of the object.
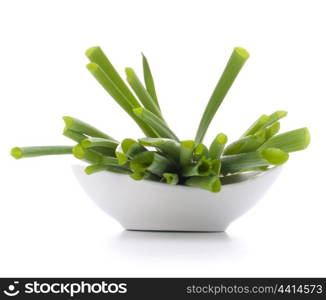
(49, 227)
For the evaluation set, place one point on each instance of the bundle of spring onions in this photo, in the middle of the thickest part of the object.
(160, 155)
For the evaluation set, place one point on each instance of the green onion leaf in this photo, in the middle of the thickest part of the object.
(97, 56)
(201, 168)
(243, 161)
(168, 147)
(84, 128)
(186, 151)
(118, 96)
(151, 162)
(142, 94)
(246, 144)
(73, 135)
(20, 152)
(99, 142)
(257, 125)
(272, 130)
(171, 178)
(112, 168)
(144, 175)
(290, 141)
(232, 69)
(85, 154)
(217, 146)
(155, 123)
(210, 183)
(149, 81)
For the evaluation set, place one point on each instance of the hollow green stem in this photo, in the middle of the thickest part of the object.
(118, 96)
(132, 148)
(215, 167)
(151, 162)
(210, 183)
(99, 142)
(243, 161)
(73, 135)
(171, 178)
(265, 121)
(186, 151)
(144, 175)
(84, 128)
(112, 168)
(85, 154)
(121, 156)
(217, 146)
(108, 160)
(274, 117)
(272, 130)
(103, 146)
(155, 123)
(149, 81)
(200, 151)
(127, 149)
(22, 152)
(258, 124)
(290, 141)
(141, 92)
(232, 69)
(168, 147)
(246, 144)
(97, 56)
(201, 168)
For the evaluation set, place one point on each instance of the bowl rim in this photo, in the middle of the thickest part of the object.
(241, 178)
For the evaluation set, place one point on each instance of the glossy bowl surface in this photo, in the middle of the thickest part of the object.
(147, 205)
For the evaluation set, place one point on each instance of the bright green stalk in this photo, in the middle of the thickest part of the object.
(232, 69)
(132, 148)
(265, 121)
(118, 96)
(210, 183)
(99, 142)
(103, 151)
(144, 175)
(121, 156)
(20, 152)
(258, 124)
(128, 148)
(103, 146)
(73, 135)
(274, 117)
(149, 81)
(85, 154)
(151, 162)
(290, 141)
(238, 162)
(170, 148)
(141, 92)
(155, 123)
(215, 167)
(272, 130)
(171, 178)
(199, 151)
(112, 168)
(216, 148)
(201, 168)
(84, 128)
(97, 56)
(186, 151)
(107, 160)
(246, 144)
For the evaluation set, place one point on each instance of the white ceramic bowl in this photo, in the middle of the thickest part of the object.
(147, 205)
